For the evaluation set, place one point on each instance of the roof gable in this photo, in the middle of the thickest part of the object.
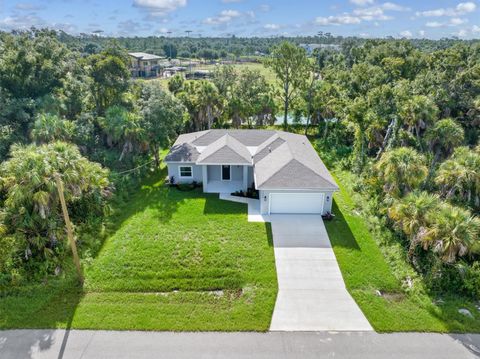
(295, 175)
(225, 150)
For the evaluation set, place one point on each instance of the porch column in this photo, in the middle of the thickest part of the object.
(245, 178)
(204, 178)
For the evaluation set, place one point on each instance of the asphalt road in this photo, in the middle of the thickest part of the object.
(58, 344)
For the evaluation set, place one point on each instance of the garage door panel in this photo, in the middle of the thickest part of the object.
(296, 203)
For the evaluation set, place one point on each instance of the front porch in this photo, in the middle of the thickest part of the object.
(226, 178)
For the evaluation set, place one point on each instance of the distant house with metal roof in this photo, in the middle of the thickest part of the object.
(143, 64)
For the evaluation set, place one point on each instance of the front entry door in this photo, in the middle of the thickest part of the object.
(226, 173)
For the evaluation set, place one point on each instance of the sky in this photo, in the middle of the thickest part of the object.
(265, 18)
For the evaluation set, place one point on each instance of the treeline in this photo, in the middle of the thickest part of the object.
(407, 122)
(211, 48)
(83, 119)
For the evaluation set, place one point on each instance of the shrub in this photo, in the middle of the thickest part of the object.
(471, 280)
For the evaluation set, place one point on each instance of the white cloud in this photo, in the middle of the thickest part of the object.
(434, 24)
(475, 29)
(456, 21)
(338, 20)
(372, 13)
(461, 33)
(362, 2)
(224, 17)
(461, 9)
(28, 7)
(21, 22)
(271, 27)
(422, 33)
(466, 7)
(265, 7)
(406, 33)
(159, 7)
(390, 6)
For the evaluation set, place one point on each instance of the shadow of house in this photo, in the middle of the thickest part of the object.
(344, 236)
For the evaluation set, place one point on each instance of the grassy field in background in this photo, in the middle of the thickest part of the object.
(176, 260)
(269, 75)
(366, 270)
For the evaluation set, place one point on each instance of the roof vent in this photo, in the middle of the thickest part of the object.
(269, 149)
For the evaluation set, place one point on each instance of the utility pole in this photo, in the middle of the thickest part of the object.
(190, 57)
(68, 224)
(169, 33)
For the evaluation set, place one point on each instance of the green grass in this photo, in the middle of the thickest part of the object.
(268, 73)
(175, 261)
(366, 269)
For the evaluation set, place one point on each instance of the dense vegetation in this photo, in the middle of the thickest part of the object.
(402, 115)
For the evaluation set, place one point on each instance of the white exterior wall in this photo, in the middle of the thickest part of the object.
(173, 170)
(214, 173)
(264, 202)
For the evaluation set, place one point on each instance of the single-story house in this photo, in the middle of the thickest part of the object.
(282, 166)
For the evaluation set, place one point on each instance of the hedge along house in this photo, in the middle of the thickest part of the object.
(282, 166)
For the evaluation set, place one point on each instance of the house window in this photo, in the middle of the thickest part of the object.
(185, 171)
(226, 173)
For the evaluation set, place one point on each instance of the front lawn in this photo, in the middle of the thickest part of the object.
(366, 269)
(175, 261)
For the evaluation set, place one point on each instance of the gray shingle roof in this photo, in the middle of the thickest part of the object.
(281, 160)
(183, 152)
(245, 137)
(225, 150)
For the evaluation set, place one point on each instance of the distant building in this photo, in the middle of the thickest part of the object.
(310, 48)
(145, 65)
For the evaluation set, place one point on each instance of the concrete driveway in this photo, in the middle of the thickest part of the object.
(312, 294)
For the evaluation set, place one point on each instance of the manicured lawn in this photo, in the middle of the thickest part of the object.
(365, 270)
(175, 261)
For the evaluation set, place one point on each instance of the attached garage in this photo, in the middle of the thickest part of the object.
(296, 203)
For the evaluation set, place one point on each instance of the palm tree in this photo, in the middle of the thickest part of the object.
(417, 112)
(209, 102)
(48, 127)
(31, 207)
(443, 137)
(121, 127)
(359, 116)
(410, 215)
(401, 170)
(459, 177)
(453, 232)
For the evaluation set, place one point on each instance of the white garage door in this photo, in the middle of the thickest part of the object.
(296, 202)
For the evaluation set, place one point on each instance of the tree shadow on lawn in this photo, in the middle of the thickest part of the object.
(339, 231)
(52, 305)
